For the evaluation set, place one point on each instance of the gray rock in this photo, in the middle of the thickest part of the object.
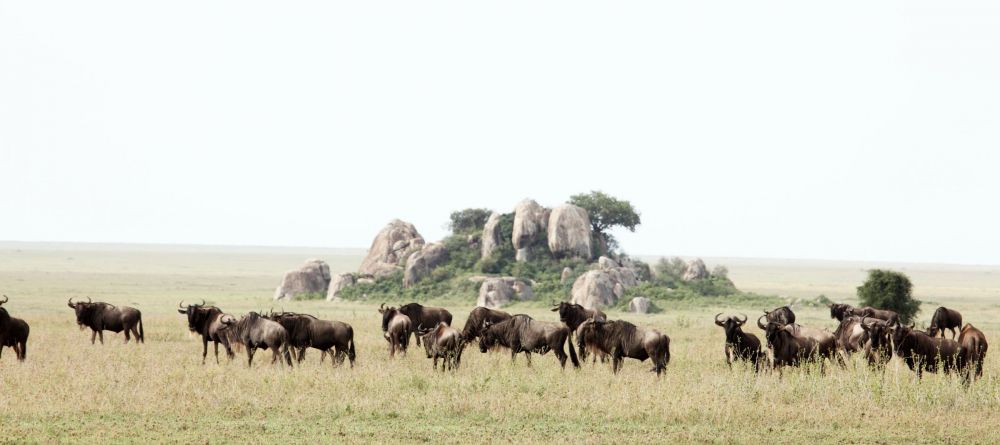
(339, 283)
(569, 232)
(499, 291)
(695, 270)
(393, 244)
(530, 221)
(312, 278)
(639, 305)
(422, 262)
(607, 263)
(491, 235)
(594, 289)
(566, 273)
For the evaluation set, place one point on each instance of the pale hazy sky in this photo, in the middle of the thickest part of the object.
(863, 130)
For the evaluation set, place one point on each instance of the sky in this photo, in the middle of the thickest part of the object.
(851, 130)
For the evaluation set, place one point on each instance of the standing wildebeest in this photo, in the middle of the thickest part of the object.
(945, 318)
(881, 314)
(100, 317)
(574, 315)
(850, 335)
(521, 333)
(255, 331)
(622, 339)
(474, 324)
(739, 344)
(307, 331)
(840, 311)
(443, 341)
(792, 347)
(781, 315)
(207, 321)
(974, 346)
(878, 347)
(396, 328)
(425, 315)
(921, 352)
(13, 333)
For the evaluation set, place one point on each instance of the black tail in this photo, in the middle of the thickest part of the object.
(24, 352)
(142, 334)
(572, 355)
(350, 351)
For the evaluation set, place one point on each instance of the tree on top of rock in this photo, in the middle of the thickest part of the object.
(605, 212)
(468, 221)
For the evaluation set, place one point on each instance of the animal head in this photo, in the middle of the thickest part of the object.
(488, 338)
(86, 311)
(840, 311)
(387, 314)
(730, 324)
(771, 330)
(900, 332)
(196, 314)
(878, 332)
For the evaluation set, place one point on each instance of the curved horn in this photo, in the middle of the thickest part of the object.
(761, 325)
(382, 306)
(89, 300)
(70, 302)
(181, 304)
(717, 319)
(5, 299)
(744, 318)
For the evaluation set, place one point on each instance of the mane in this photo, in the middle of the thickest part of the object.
(4, 316)
(509, 330)
(243, 325)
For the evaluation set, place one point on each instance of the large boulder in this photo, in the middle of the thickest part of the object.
(499, 291)
(569, 232)
(422, 262)
(530, 221)
(491, 235)
(695, 270)
(312, 278)
(594, 289)
(607, 263)
(339, 283)
(395, 243)
(639, 305)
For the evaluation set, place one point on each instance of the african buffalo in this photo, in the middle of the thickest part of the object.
(622, 339)
(307, 331)
(474, 324)
(840, 311)
(878, 347)
(973, 354)
(13, 333)
(396, 328)
(781, 315)
(921, 352)
(425, 315)
(573, 315)
(740, 345)
(945, 318)
(521, 333)
(443, 341)
(100, 317)
(792, 347)
(207, 321)
(254, 331)
(881, 314)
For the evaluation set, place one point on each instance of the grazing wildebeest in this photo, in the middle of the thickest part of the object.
(100, 317)
(521, 333)
(973, 354)
(945, 318)
(396, 328)
(425, 315)
(573, 315)
(443, 341)
(840, 311)
(254, 331)
(791, 347)
(474, 324)
(870, 312)
(878, 347)
(207, 321)
(921, 352)
(306, 331)
(781, 315)
(740, 345)
(622, 339)
(13, 333)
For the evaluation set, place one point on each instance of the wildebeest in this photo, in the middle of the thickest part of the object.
(574, 315)
(425, 315)
(850, 335)
(622, 339)
(921, 352)
(396, 328)
(474, 324)
(307, 331)
(945, 318)
(13, 333)
(839, 311)
(207, 321)
(792, 347)
(521, 333)
(881, 314)
(100, 317)
(973, 346)
(443, 341)
(739, 345)
(780, 315)
(878, 347)
(254, 331)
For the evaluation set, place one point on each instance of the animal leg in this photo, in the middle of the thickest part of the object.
(729, 360)
(250, 351)
(204, 350)
(93, 337)
(126, 335)
(100, 334)
(302, 354)
(527, 356)
(22, 352)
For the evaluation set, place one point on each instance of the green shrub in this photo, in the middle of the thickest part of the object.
(886, 289)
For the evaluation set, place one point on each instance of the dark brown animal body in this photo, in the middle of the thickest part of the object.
(740, 345)
(13, 333)
(477, 318)
(921, 352)
(254, 331)
(522, 333)
(331, 337)
(973, 346)
(881, 314)
(878, 347)
(573, 316)
(207, 321)
(622, 339)
(850, 335)
(425, 315)
(444, 342)
(945, 318)
(791, 347)
(100, 317)
(396, 328)
(840, 311)
(781, 315)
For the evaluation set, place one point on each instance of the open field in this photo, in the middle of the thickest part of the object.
(70, 391)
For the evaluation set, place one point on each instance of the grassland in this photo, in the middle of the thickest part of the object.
(71, 392)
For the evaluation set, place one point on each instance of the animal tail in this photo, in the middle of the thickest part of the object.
(572, 355)
(24, 351)
(351, 354)
(666, 351)
(142, 333)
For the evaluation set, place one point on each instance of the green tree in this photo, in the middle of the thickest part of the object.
(468, 221)
(606, 212)
(886, 289)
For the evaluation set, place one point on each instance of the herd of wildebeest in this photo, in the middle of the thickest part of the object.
(875, 333)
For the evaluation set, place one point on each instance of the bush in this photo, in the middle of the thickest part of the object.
(467, 221)
(886, 289)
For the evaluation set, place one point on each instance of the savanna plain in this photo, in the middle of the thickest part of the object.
(69, 391)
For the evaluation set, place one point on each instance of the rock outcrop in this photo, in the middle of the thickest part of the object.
(639, 305)
(499, 291)
(393, 244)
(312, 278)
(422, 262)
(569, 232)
(339, 283)
(695, 270)
(491, 235)
(530, 222)
(603, 286)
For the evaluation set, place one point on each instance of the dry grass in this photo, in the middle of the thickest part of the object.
(70, 391)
